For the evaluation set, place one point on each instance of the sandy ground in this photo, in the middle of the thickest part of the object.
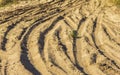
(60, 37)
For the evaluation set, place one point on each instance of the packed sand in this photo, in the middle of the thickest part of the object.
(60, 37)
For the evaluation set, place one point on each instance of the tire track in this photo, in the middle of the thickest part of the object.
(57, 50)
(24, 58)
(60, 38)
(42, 35)
(4, 38)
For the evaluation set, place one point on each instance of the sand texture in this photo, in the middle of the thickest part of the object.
(61, 37)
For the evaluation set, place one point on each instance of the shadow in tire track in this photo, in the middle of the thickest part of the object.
(42, 34)
(75, 50)
(17, 12)
(63, 46)
(24, 55)
(9, 28)
(24, 58)
(99, 50)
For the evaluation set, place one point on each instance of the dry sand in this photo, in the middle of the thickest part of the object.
(60, 37)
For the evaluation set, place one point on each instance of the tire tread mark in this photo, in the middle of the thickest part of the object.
(24, 58)
(67, 24)
(106, 56)
(42, 35)
(15, 13)
(24, 30)
(99, 50)
(80, 22)
(52, 61)
(9, 28)
(63, 46)
(35, 24)
(75, 50)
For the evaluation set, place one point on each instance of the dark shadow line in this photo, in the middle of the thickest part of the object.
(99, 50)
(67, 24)
(80, 22)
(15, 14)
(93, 37)
(24, 55)
(24, 30)
(42, 34)
(5, 69)
(25, 60)
(65, 51)
(74, 38)
(9, 28)
(63, 46)
(52, 61)
(75, 49)
(34, 25)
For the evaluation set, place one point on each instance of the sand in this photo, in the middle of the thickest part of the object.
(60, 37)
